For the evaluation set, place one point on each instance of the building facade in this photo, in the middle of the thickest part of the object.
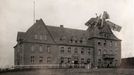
(44, 44)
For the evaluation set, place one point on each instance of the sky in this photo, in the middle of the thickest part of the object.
(17, 15)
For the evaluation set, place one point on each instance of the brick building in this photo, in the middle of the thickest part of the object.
(44, 44)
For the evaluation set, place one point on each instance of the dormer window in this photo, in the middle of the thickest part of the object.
(71, 41)
(62, 38)
(75, 41)
(40, 37)
(81, 41)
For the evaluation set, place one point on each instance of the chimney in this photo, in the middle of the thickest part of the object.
(37, 21)
(61, 26)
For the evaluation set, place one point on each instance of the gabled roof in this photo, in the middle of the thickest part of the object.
(67, 33)
(57, 33)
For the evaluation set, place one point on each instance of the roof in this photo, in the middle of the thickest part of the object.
(99, 31)
(67, 34)
(20, 35)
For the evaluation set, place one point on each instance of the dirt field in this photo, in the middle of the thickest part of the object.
(73, 72)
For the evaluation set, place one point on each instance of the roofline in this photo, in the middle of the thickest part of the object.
(66, 28)
(60, 44)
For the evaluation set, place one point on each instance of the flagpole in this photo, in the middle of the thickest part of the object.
(34, 11)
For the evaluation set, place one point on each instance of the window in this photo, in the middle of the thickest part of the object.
(48, 49)
(99, 52)
(32, 59)
(32, 48)
(69, 49)
(35, 36)
(105, 51)
(71, 41)
(88, 60)
(61, 60)
(82, 50)
(75, 50)
(81, 41)
(105, 35)
(69, 60)
(75, 41)
(40, 48)
(40, 37)
(45, 37)
(111, 52)
(116, 44)
(62, 49)
(82, 60)
(48, 59)
(89, 51)
(40, 59)
(99, 60)
(62, 38)
(99, 43)
(105, 42)
(110, 43)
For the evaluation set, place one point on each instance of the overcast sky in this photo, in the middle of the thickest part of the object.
(17, 15)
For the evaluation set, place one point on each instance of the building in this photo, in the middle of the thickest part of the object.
(43, 44)
(127, 62)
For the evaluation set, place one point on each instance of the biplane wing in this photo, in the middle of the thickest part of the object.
(114, 26)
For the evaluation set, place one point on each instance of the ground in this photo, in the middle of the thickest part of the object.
(72, 72)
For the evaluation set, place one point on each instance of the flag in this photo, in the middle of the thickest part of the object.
(114, 26)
